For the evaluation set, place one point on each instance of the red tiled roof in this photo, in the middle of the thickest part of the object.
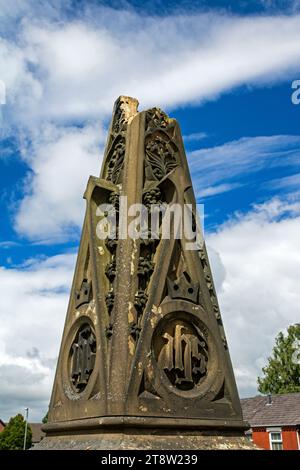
(284, 410)
(37, 433)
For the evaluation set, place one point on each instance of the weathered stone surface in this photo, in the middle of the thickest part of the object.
(131, 440)
(144, 344)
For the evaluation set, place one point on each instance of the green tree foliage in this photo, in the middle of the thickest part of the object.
(45, 418)
(12, 437)
(282, 373)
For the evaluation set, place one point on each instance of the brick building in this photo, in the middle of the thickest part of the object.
(274, 420)
(36, 428)
(2, 425)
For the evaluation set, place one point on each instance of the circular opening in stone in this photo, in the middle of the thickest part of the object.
(181, 351)
(82, 357)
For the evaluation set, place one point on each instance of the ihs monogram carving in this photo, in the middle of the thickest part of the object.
(82, 357)
(183, 356)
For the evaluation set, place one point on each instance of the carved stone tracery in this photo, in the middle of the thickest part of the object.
(117, 141)
(161, 151)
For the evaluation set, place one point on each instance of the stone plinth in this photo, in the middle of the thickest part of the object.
(133, 439)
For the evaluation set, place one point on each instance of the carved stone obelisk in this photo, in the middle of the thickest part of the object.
(144, 361)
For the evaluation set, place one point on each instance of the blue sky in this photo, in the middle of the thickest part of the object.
(224, 70)
(244, 112)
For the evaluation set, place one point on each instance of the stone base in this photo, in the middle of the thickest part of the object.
(137, 439)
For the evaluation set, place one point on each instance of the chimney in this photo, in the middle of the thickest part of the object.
(269, 399)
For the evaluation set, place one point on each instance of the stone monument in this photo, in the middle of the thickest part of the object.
(144, 361)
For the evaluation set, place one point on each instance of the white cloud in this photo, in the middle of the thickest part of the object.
(218, 189)
(21, 86)
(287, 182)
(194, 137)
(195, 58)
(61, 159)
(260, 292)
(33, 308)
(60, 72)
(82, 66)
(222, 168)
